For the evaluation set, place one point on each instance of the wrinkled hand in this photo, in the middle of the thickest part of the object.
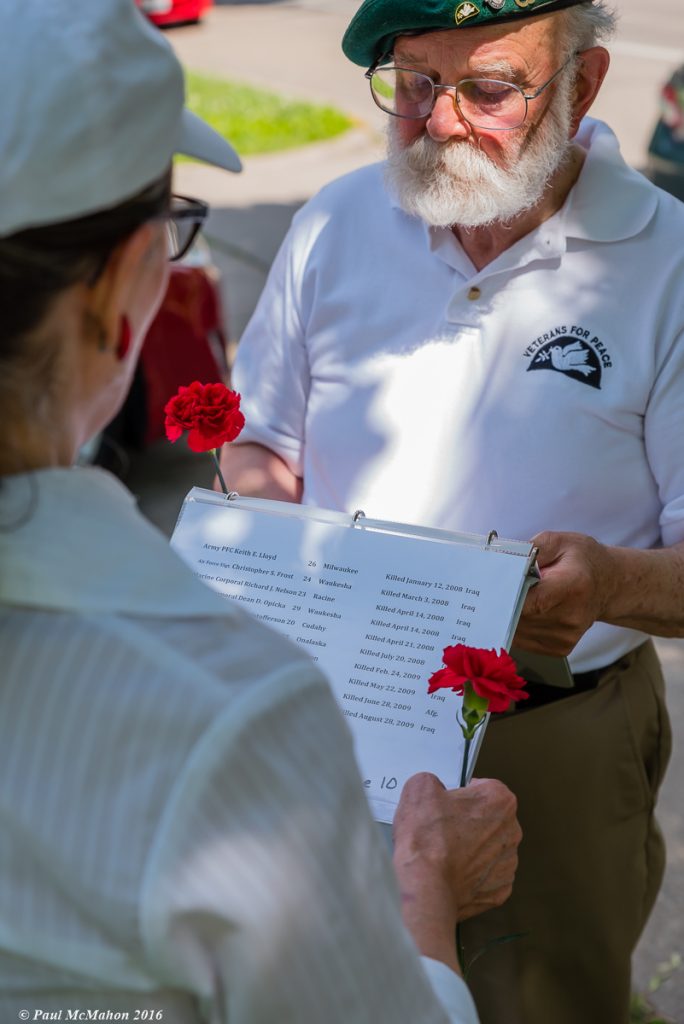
(572, 594)
(458, 846)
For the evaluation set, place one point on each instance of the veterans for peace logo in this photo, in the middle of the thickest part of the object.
(576, 353)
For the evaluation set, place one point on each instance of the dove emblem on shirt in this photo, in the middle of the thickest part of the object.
(570, 356)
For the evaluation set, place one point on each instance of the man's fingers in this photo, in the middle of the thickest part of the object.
(480, 906)
(549, 546)
(502, 870)
(425, 780)
(494, 791)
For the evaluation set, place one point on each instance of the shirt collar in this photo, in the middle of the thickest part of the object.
(73, 540)
(610, 202)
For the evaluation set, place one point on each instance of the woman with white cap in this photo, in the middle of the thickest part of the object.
(185, 837)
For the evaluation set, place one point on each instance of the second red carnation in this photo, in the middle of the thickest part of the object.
(493, 676)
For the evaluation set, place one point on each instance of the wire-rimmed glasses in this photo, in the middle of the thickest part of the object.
(483, 102)
(183, 222)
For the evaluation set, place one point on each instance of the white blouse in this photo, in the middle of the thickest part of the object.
(184, 833)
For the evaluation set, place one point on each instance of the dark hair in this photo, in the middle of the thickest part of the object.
(36, 264)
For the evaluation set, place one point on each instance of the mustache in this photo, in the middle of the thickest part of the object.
(462, 160)
(425, 152)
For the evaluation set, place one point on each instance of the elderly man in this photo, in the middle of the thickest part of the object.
(487, 331)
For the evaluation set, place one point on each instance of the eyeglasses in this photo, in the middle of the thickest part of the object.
(482, 102)
(183, 222)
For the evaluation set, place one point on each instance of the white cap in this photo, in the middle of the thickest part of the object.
(92, 110)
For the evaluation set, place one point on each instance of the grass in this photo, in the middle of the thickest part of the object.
(641, 1012)
(256, 121)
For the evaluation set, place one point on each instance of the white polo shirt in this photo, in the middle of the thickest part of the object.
(544, 392)
(185, 836)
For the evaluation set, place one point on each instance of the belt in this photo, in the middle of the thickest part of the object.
(590, 680)
(539, 694)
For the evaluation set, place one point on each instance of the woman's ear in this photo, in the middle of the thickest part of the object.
(130, 285)
(593, 66)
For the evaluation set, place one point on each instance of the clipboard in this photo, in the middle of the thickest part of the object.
(543, 669)
(373, 602)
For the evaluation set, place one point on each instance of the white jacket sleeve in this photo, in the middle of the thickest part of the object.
(452, 992)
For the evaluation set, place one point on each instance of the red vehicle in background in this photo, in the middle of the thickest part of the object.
(174, 12)
(186, 342)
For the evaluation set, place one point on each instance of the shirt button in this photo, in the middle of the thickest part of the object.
(474, 293)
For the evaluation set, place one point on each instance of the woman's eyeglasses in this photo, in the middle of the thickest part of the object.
(183, 222)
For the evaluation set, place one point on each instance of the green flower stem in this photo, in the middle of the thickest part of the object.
(468, 728)
(215, 457)
(460, 951)
(464, 764)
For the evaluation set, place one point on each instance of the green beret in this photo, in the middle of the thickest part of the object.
(376, 24)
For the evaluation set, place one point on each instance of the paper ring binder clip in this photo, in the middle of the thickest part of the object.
(491, 536)
(359, 514)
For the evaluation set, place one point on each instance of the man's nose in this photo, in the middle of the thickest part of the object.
(446, 121)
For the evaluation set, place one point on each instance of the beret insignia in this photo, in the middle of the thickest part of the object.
(465, 11)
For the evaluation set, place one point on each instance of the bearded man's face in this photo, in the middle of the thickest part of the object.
(448, 173)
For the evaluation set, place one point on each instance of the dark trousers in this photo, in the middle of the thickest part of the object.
(586, 771)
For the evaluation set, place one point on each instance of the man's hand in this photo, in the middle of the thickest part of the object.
(257, 472)
(577, 582)
(467, 837)
(455, 855)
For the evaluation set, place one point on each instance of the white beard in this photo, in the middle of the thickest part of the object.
(455, 183)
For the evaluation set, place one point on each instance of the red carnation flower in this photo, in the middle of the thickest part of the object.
(493, 676)
(209, 412)
(487, 681)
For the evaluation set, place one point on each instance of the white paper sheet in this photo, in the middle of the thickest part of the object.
(374, 609)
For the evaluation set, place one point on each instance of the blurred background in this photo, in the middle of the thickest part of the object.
(272, 76)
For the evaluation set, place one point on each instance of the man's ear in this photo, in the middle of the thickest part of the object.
(593, 66)
(105, 299)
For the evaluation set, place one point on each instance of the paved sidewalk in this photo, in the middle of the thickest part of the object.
(293, 48)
